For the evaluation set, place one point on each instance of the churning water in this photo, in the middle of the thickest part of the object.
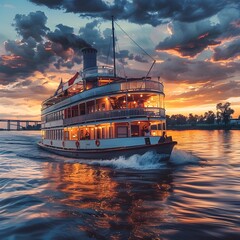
(196, 195)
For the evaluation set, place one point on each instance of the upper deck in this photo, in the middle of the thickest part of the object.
(78, 94)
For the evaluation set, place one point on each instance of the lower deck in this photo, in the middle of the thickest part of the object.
(108, 140)
(114, 130)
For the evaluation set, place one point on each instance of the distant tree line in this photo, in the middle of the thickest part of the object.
(222, 117)
(32, 127)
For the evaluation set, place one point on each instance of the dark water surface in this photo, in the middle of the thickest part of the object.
(196, 195)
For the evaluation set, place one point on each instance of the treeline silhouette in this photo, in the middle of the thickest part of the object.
(32, 127)
(222, 119)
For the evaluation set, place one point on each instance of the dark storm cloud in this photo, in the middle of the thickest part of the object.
(189, 39)
(75, 6)
(193, 31)
(55, 4)
(28, 54)
(38, 48)
(153, 12)
(32, 25)
(226, 52)
(25, 58)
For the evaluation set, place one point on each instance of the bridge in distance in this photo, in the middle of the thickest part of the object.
(16, 124)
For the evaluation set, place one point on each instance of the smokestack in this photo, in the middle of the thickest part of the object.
(89, 58)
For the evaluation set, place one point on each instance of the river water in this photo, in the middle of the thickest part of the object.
(196, 195)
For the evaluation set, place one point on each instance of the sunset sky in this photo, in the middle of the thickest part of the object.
(196, 44)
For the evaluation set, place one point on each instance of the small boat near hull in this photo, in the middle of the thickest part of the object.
(163, 149)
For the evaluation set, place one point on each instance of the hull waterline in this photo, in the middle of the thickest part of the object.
(163, 149)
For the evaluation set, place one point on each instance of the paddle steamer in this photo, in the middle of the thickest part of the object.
(99, 115)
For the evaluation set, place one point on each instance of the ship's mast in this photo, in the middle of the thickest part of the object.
(113, 41)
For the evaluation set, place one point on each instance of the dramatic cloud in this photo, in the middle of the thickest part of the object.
(232, 50)
(102, 41)
(195, 25)
(36, 92)
(208, 93)
(38, 48)
(66, 45)
(32, 25)
(195, 42)
(190, 39)
(153, 12)
(182, 70)
(25, 58)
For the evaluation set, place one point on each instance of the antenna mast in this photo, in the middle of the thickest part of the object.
(114, 57)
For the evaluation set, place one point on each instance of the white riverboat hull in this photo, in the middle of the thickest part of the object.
(163, 149)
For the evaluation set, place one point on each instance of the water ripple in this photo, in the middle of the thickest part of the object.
(196, 195)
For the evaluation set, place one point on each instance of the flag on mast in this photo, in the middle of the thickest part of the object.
(59, 89)
(71, 80)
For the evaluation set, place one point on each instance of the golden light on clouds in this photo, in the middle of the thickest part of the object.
(190, 52)
(185, 99)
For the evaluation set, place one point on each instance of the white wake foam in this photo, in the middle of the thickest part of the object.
(148, 161)
(180, 157)
(145, 162)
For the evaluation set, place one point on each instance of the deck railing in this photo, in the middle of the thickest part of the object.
(116, 114)
(113, 88)
(98, 71)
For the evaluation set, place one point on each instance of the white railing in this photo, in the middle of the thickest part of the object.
(116, 114)
(113, 88)
(98, 71)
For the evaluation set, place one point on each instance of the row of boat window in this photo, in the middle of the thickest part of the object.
(124, 101)
(118, 130)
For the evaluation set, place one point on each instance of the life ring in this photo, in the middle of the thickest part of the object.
(97, 142)
(77, 144)
(63, 144)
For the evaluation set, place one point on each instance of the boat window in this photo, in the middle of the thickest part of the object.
(111, 132)
(122, 131)
(90, 106)
(66, 135)
(103, 133)
(82, 108)
(69, 113)
(98, 133)
(74, 133)
(134, 130)
(75, 111)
